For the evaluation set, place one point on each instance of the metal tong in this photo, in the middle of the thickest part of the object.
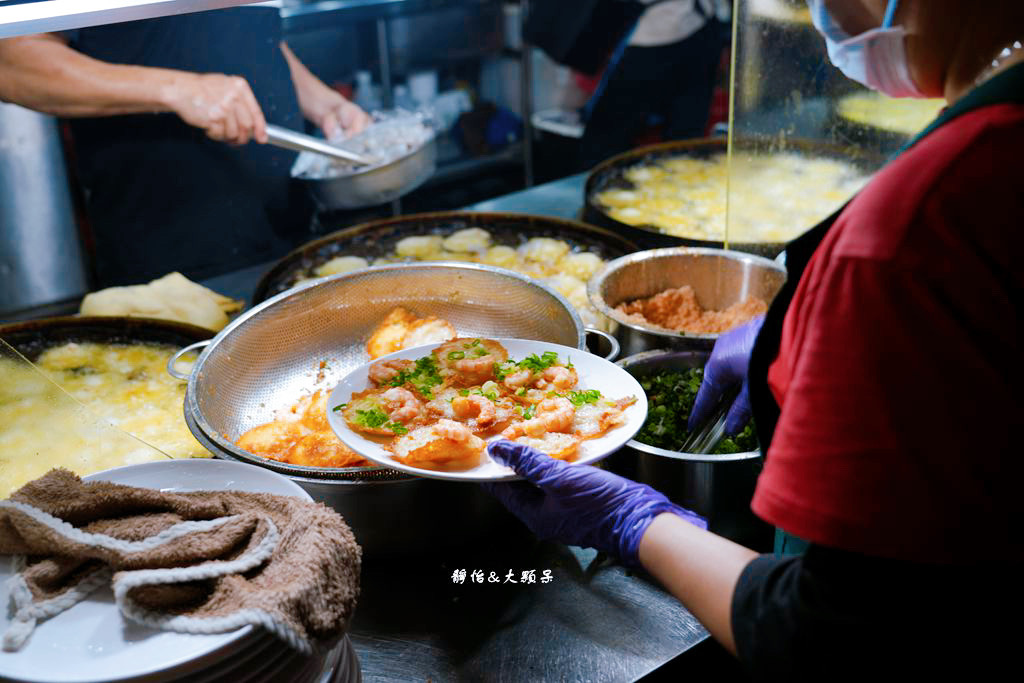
(704, 439)
(290, 139)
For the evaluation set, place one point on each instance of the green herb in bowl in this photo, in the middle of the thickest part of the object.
(670, 397)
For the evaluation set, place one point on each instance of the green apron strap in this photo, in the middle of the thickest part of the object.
(1003, 88)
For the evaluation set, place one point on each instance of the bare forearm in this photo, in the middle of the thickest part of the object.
(699, 568)
(41, 72)
(301, 76)
(320, 103)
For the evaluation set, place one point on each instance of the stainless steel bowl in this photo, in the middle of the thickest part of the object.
(377, 185)
(311, 336)
(718, 487)
(719, 278)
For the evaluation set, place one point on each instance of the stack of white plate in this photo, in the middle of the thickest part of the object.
(93, 642)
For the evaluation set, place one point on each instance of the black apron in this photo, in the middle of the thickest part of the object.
(1007, 87)
(162, 196)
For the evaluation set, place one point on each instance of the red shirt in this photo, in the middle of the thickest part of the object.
(899, 369)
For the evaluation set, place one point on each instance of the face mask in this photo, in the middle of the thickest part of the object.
(875, 58)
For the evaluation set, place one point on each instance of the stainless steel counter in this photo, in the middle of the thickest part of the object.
(593, 621)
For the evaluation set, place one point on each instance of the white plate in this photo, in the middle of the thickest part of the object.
(92, 641)
(593, 371)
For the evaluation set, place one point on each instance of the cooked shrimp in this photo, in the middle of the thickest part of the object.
(557, 376)
(477, 406)
(402, 404)
(475, 370)
(444, 445)
(553, 415)
(470, 361)
(452, 430)
(386, 370)
(517, 379)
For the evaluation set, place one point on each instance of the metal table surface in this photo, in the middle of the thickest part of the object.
(592, 621)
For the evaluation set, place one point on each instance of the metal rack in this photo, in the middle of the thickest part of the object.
(302, 17)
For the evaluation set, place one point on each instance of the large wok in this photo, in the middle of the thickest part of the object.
(375, 239)
(609, 174)
(32, 337)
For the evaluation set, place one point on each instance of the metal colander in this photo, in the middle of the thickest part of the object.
(310, 337)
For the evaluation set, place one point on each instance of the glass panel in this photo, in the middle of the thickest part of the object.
(804, 137)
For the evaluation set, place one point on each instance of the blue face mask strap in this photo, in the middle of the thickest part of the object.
(828, 27)
(890, 10)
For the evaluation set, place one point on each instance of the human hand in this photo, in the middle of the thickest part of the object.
(341, 118)
(327, 108)
(726, 368)
(222, 106)
(580, 504)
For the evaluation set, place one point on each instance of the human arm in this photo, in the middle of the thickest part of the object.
(44, 73)
(327, 108)
(699, 568)
(587, 506)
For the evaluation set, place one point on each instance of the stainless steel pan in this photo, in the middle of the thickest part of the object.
(719, 278)
(718, 487)
(373, 185)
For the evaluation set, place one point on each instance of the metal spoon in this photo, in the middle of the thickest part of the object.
(290, 139)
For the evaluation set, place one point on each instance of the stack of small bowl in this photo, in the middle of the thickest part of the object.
(719, 487)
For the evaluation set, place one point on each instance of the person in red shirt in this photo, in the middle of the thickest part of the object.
(885, 387)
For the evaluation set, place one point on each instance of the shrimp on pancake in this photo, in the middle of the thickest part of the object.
(552, 415)
(592, 420)
(444, 445)
(383, 413)
(384, 371)
(470, 361)
(556, 444)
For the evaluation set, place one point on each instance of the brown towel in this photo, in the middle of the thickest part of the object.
(202, 562)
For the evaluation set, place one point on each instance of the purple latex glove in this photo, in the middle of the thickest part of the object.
(579, 504)
(726, 368)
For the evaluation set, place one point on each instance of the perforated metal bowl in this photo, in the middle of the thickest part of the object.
(310, 337)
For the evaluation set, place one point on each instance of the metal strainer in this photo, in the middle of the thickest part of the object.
(310, 337)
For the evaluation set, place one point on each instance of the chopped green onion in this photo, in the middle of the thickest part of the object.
(539, 363)
(578, 398)
(397, 427)
(456, 355)
(424, 376)
(372, 418)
